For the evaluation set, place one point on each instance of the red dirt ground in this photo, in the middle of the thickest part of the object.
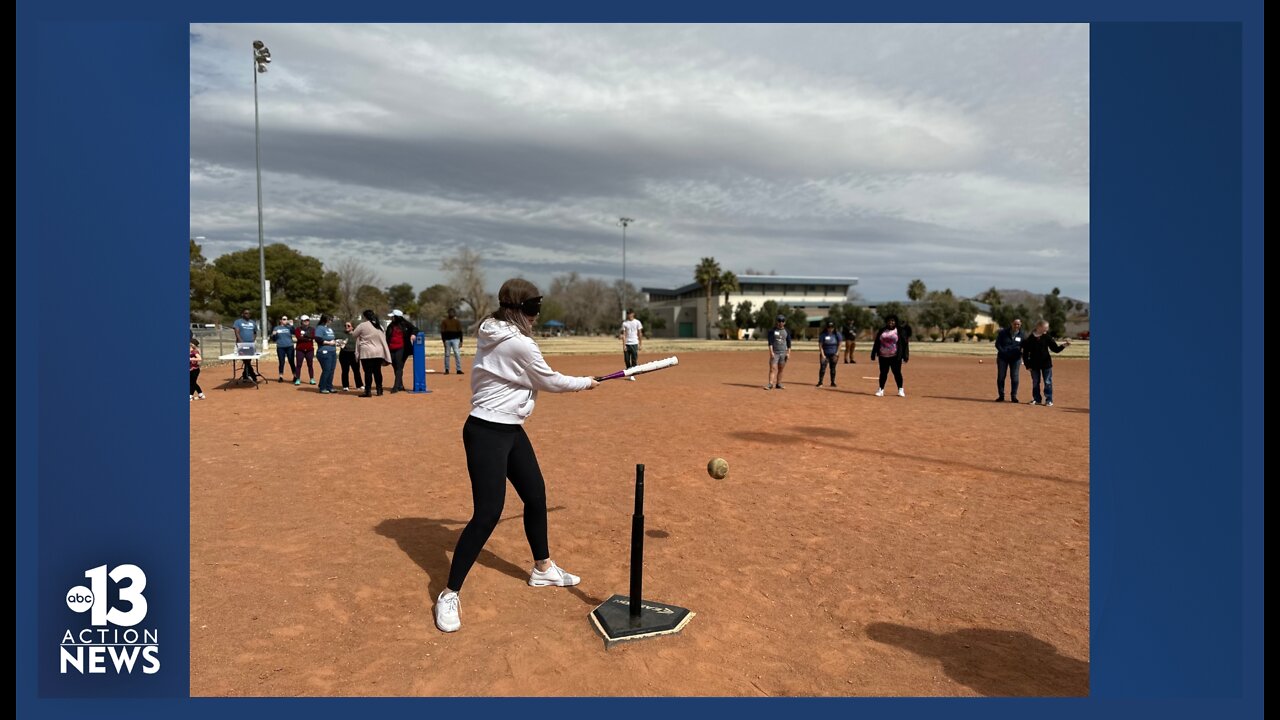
(932, 545)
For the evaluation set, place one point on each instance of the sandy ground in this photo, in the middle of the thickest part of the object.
(932, 545)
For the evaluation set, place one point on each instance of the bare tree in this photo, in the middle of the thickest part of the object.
(352, 275)
(467, 280)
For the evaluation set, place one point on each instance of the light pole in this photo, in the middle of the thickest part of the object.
(261, 57)
(624, 222)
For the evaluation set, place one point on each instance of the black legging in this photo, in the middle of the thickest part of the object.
(398, 358)
(823, 362)
(347, 358)
(497, 453)
(372, 374)
(195, 386)
(891, 363)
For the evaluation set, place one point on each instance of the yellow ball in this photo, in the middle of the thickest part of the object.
(718, 468)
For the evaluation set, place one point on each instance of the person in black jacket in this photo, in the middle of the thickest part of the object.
(401, 335)
(892, 346)
(1009, 359)
(1035, 355)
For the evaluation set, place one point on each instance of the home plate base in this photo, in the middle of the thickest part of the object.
(613, 620)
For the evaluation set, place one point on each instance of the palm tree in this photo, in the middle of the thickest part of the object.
(707, 274)
(916, 289)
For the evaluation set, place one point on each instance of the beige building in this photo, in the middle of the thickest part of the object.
(684, 309)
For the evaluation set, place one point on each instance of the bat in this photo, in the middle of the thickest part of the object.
(641, 369)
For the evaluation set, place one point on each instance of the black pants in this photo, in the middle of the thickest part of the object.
(823, 362)
(630, 355)
(347, 359)
(372, 374)
(195, 386)
(891, 363)
(1004, 366)
(398, 358)
(497, 453)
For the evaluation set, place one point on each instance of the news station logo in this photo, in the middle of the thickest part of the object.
(112, 642)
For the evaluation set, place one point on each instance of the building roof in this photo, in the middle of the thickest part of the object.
(762, 280)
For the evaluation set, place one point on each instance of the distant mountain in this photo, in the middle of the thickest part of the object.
(1077, 315)
(1031, 299)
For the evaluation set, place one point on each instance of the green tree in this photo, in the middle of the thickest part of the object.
(434, 302)
(707, 274)
(299, 283)
(743, 317)
(1055, 313)
(902, 312)
(916, 290)
(650, 320)
(401, 297)
(727, 327)
(371, 297)
(764, 318)
(1004, 315)
(797, 321)
(204, 283)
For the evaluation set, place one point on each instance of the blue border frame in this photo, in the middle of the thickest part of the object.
(1177, 478)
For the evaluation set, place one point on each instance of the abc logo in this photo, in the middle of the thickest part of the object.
(79, 599)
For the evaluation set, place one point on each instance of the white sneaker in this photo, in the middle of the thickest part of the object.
(632, 378)
(200, 396)
(554, 576)
(880, 392)
(1049, 404)
(902, 392)
(193, 397)
(447, 611)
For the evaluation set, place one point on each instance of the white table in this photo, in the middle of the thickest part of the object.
(243, 378)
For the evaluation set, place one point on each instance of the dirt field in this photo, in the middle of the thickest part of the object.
(932, 545)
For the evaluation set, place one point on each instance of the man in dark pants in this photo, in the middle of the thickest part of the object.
(401, 335)
(1009, 359)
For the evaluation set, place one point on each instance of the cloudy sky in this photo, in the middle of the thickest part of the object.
(956, 154)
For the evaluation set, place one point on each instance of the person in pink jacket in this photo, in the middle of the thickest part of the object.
(372, 350)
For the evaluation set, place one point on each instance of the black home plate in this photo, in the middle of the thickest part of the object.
(630, 617)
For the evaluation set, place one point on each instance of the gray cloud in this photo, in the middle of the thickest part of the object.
(958, 154)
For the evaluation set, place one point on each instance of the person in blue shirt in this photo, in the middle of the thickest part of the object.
(779, 349)
(327, 354)
(282, 336)
(829, 343)
(246, 331)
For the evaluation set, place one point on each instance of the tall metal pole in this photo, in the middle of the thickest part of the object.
(624, 222)
(258, 67)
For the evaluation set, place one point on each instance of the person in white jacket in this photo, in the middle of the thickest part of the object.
(506, 375)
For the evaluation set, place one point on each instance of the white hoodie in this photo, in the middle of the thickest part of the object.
(507, 373)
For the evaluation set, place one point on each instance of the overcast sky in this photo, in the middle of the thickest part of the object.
(955, 154)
